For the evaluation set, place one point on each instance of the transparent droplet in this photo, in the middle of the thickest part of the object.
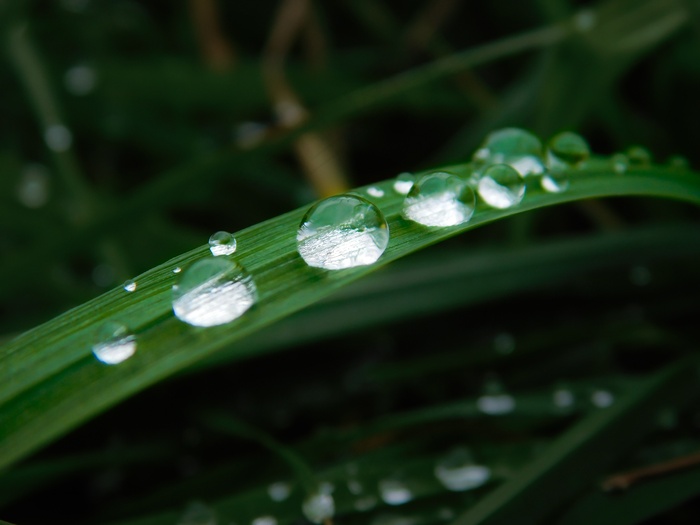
(620, 163)
(555, 181)
(638, 156)
(80, 79)
(602, 398)
(640, 275)
(439, 199)
(504, 343)
(458, 472)
(318, 507)
(33, 186)
(177, 269)
(198, 513)
(365, 503)
(279, 491)
(678, 162)
(222, 243)
(264, 520)
(516, 147)
(58, 138)
(585, 20)
(403, 183)
(394, 491)
(495, 401)
(567, 150)
(213, 291)
(340, 232)
(563, 398)
(501, 186)
(375, 191)
(114, 343)
(130, 286)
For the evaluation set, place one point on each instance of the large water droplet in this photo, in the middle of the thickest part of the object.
(80, 80)
(318, 507)
(639, 156)
(403, 183)
(340, 232)
(555, 181)
(213, 291)
(439, 199)
(130, 285)
(197, 513)
(279, 491)
(33, 186)
(501, 186)
(58, 138)
(458, 472)
(516, 147)
(115, 343)
(222, 243)
(567, 150)
(394, 491)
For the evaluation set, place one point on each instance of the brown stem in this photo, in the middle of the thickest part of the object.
(216, 50)
(625, 480)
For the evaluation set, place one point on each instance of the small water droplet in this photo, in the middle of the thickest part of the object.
(501, 186)
(394, 491)
(197, 513)
(585, 20)
(439, 199)
(264, 520)
(678, 162)
(365, 503)
(340, 232)
(638, 156)
(620, 163)
(279, 491)
(602, 398)
(177, 269)
(563, 398)
(222, 243)
(403, 183)
(375, 191)
(213, 291)
(458, 472)
(33, 186)
(80, 79)
(114, 343)
(504, 343)
(355, 487)
(130, 286)
(640, 275)
(58, 138)
(567, 150)
(516, 147)
(495, 401)
(318, 507)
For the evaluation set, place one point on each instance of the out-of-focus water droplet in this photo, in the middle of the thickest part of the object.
(446, 514)
(563, 398)
(279, 491)
(639, 156)
(585, 20)
(516, 147)
(264, 520)
(248, 134)
(403, 183)
(177, 269)
(341, 232)
(567, 150)
(365, 503)
(318, 507)
(640, 275)
(678, 162)
(80, 79)
(198, 513)
(555, 181)
(58, 138)
(33, 186)
(501, 186)
(114, 343)
(495, 401)
(213, 291)
(504, 343)
(130, 286)
(620, 163)
(222, 243)
(439, 199)
(355, 487)
(394, 491)
(375, 191)
(458, 472)
(602, 398)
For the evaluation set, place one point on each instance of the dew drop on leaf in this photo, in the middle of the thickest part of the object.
(567, 150)
(563, 398)
(213, 291)
(318, 507)
(638, 156)
(501, 186)
(375, 191)
(130, 285)
(620, 163)
(602, 398)
(403, 183)
(495, 401)
(458, 472)
(516, 147)
(279, 491)
(33, 187)
(58, 138)
(439, 199)
(341, 232)
(394, 491)
(222, 243)
(114, 343)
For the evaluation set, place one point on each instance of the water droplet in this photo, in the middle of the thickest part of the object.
(115, 343)
(177, 269)
(197, 513)
(458, 472)
(501, 186)
(264, 520)
(394, 491)
(516, 147)
(567, 150)
(439, 199)
(602, 398)
(638, 156)
(318, 507)
(620, 163)
(340, 232)
(248, 134)
(279, 491)
(678, 162)
(555, 181)
(365, 503)
(213, 291)
(375, 191)
(222, 243)
(504, 343)
(446, 514)
(355, 487)
(495, 401)
(563, 398)
(403, 183)
(80, 80)
(640, 275)
(33, 186)
(130, 286)
(58, 138)
(585, 20)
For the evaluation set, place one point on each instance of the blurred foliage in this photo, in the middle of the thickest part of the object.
(174, 131)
